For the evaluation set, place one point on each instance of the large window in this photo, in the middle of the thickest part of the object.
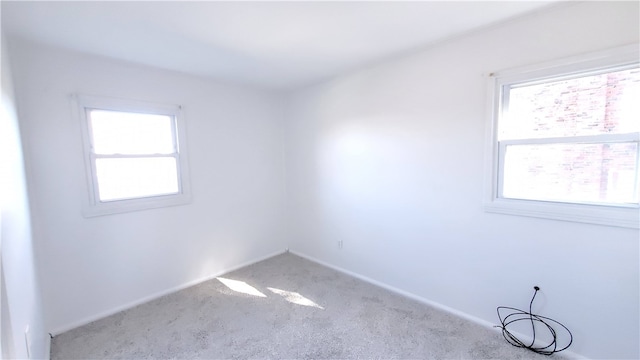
(565, 140)
(135, 155)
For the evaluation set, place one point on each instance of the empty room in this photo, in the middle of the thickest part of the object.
(320, 180)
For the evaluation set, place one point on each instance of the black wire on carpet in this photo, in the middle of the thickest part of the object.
(521, 315)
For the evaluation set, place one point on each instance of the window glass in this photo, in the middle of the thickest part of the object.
(607, 103)
(126, 178)
(580, 173)
(115, 132)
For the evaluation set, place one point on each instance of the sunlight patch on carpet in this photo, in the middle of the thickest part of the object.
(241, 287)
(295, 298)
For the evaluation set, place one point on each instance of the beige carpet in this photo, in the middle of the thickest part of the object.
(284, 307)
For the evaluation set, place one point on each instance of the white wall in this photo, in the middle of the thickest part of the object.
(92, 266)
(20, 294)
(390, 160)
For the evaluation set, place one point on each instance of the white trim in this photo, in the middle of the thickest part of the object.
(617, 216)
(590, 139)
(47, 346)
(126, 105)
(461, 314)
(474, 319)
(398, 291)
(602, 214)
(92, 206)
(89, 319)
(614, 57)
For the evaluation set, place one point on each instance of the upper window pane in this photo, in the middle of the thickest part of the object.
(588, 105)
(115, 132)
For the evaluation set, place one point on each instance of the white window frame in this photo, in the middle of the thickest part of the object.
(627, 216)
(92, 205)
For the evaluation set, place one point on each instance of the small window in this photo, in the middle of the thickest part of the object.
(565, 140)
(135, 155)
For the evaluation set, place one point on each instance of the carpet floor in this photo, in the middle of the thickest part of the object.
(284, 307)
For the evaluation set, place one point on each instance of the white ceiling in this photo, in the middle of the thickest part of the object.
(273, 44)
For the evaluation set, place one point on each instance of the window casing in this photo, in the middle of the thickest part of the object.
(135, 155)
(565, 162)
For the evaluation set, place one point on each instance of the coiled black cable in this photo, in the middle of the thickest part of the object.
(521, 315)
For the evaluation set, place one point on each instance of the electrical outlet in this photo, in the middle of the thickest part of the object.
(340, 244)
(27, 341)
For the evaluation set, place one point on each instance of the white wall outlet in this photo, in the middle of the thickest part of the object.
(340, 244)
(27, 341)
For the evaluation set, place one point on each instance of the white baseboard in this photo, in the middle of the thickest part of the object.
(455, 312)
(47, 347)
(450, 310)
(62, 329)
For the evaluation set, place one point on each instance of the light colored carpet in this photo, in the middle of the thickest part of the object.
(284, 307)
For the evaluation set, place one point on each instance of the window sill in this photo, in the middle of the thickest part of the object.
(589, 214)
(124, 206)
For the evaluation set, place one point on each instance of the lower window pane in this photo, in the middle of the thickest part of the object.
(575, 173)
(130, 178)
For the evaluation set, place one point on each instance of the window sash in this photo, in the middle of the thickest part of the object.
(588, 139)
(94, 157)
(592, 139)
(499, 84)
(508, 83)
(92, 205)
(173, 128)
(94, 173)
